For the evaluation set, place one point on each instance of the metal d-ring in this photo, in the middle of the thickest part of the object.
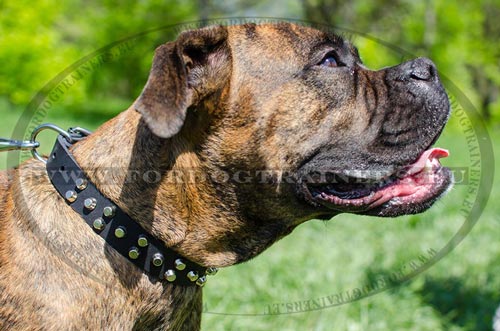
(40, 128)
(80, 131)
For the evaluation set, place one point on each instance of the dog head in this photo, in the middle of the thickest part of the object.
(299, 127)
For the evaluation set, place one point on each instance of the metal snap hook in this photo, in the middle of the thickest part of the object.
(12, 144)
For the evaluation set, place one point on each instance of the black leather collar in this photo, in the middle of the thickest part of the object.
(114, 226)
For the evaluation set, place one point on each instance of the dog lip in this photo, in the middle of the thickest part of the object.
(418, 182)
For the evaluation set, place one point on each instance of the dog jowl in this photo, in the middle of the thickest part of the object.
(287, 101)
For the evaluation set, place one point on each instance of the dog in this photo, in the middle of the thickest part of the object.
(251, 131)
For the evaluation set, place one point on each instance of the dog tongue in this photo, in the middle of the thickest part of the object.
(428, 156)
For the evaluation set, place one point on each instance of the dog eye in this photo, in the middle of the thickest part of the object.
(330, 60)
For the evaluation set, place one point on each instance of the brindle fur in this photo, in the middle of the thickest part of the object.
(218, 99)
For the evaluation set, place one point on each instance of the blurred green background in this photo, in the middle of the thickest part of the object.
(39, 40)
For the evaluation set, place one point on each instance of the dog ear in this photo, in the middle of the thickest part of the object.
(178, 72)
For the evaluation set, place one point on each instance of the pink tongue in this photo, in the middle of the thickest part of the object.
(430, 154)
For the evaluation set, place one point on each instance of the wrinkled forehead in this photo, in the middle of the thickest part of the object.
(281, 42)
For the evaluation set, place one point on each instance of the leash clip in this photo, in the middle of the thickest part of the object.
(12, 144)
(72, 135)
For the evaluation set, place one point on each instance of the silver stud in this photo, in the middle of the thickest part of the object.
(120, 232)
(81, 184)
(157, 259)
(99, 224)
(212, 271)
(90, 203)
(170, 275)
(179, 264)
(70, 196)
(192, 275)
(201, 281)
(133, 253)
(109, 211)
(142, 241)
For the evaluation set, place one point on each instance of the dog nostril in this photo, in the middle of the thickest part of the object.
(421, 74)
(422, 69)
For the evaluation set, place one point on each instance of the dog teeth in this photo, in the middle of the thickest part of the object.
(428, 166)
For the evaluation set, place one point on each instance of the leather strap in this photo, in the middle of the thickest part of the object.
(118, 230)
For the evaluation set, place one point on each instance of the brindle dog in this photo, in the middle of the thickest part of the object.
(276, 123)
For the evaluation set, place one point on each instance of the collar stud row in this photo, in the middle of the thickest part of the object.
(118, 230)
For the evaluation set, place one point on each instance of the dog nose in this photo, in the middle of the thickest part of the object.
(422, 69)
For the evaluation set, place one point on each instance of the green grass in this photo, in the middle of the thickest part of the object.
(321, 259)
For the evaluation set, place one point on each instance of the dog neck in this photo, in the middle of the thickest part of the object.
(156, 182)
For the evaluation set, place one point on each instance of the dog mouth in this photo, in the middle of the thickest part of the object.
(407, 190)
